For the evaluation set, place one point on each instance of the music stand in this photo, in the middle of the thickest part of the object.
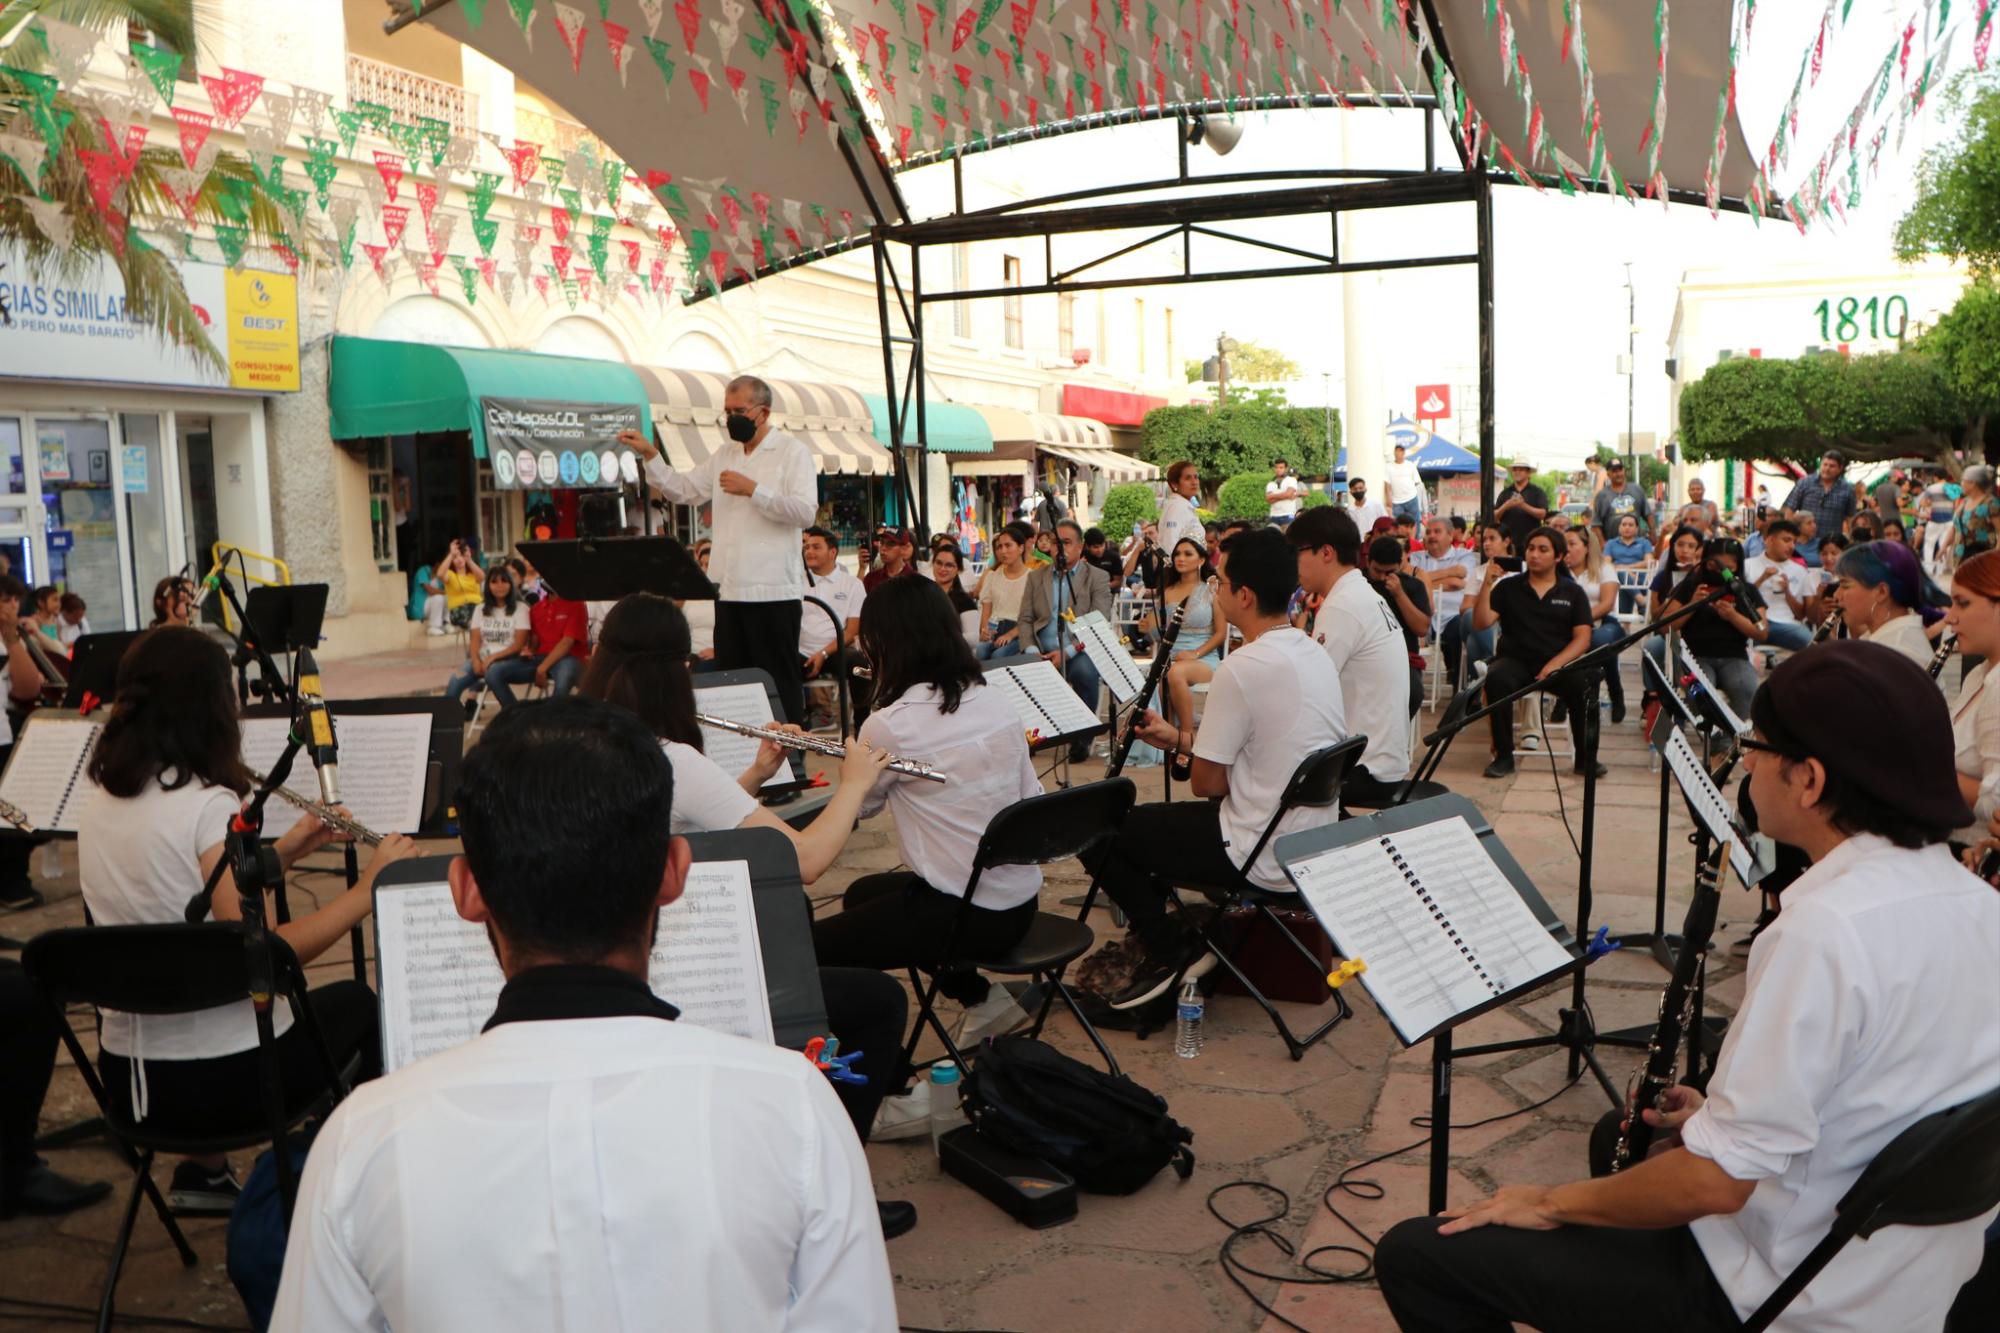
(757, 676)
(287, 615)
(93, 666)
(605, 569)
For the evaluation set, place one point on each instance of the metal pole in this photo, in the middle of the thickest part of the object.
(1483, 204)
(1631, 376)
(1326, 378)
(923, 497)
(900, 483)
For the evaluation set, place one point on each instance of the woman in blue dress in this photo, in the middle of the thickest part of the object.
(1197, 645)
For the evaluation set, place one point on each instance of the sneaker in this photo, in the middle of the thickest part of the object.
(994, 1016)
(197, 1191)
(1155, 977)
(471, 707)
(43, 1193)
(1531, 742)
(434, 632)
(1503, 767)
(20, 897)
(904, 1117)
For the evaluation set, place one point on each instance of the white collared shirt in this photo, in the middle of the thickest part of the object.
(601, 1174)
(1364, 641)
(1869, 1004)
(755, 556)
(1449, 601)
(1904, 633)
(1975, 734)
(840, 590)
(1178, 520)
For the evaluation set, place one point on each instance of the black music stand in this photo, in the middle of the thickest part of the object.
(93, 668)
(278, 619)
(604, 569)
(715, 680)
(1307, 843)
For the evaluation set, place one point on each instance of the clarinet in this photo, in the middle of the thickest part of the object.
(1947, 645)
(1635, 1136)
(1827, 627)
(1163, 656)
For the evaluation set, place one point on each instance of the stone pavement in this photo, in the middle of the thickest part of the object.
(1149, 1260)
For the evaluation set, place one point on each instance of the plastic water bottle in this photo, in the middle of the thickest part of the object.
(946, 1114)
(1187, 1034)
(49, 863)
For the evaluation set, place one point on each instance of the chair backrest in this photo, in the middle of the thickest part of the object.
(1943, 1169)
(164, 969)
(1315, 784)
(1053, 826)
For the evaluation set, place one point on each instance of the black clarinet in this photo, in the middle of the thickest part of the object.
(1947, 645)
(1827, 627)
(1163, 656)
(1622, 1137)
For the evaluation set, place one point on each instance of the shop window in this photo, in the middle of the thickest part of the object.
(499, 513)
(379, 460)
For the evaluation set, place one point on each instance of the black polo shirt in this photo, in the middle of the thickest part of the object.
(1707, 634)
(1535, 628)
(1516, 521)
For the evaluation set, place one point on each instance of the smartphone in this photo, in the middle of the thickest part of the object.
(1510, 563)
(1138, 529)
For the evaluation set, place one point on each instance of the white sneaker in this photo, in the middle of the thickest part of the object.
(994, 1016)
(904, 1117)
(434, 631)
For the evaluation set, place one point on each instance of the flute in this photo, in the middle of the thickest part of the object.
(817, 744)
(14, 815)
(325, 814)
(1947, 645)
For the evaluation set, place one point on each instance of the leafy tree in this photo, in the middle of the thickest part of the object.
(1126, 504)
(231, 193)
(1227, 441)
(1888, 405)
(1252, 363)
(1313, 499)
(1242, 496)
(1965, 346)
(1652, 472)
(1957, 209)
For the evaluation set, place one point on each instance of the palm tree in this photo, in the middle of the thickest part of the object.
(231, 192)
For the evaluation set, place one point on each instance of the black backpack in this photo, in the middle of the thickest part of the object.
(1107, 1133)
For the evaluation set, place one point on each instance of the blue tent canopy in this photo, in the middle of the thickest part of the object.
(1434, 455)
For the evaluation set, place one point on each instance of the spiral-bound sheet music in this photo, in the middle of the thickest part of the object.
(1711, 807)
(384, 760)
(1114, 662)
(1043, 699)
(44, 777)
(1720, 700)
(732, 752)
(1441, 929)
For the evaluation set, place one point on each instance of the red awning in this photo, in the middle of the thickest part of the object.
(1113, 407)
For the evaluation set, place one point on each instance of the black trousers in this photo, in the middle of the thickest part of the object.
(1158, 846)
(224, 1094)
(28, 1038)
(1504, 675)
(895, 919)
(866, 1009)
(1571, 1280)
(766, 635)
(860, 691)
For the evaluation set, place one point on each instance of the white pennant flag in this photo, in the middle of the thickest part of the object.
(280, 108)
(50, 217)
(653, 9)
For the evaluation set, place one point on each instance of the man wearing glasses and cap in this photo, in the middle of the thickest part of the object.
(1868, 1005)
(764, 490)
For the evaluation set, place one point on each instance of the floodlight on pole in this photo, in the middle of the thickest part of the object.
(1221, 136)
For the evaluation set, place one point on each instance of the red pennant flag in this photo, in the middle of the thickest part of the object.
(689, 13)
(573, 39)
(104, 172)
(631, 254)
(961, 33)
(659, 276)
(135, 141)
(583, 284)
(390, 165)
(655, 179)
(194, 132)
(486, 270)
(542, 285)
(928, 16)
(615, 37)
(761, 203)
(735, 77)
(427, 200)
(394, 219)
(559, 219)
(733, 212)
(286, 253)
(375, 255)
(233, 94)
(525, 158)
(700, 82)
(667, 236)
(561, 255)
(528, 236)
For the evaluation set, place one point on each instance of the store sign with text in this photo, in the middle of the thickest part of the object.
(548, 444)
(77, 327)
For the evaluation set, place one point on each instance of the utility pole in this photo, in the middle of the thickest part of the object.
(1631, 377)
(1332, 459)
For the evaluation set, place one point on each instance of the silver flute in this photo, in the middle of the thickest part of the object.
(909, 768)
(325, 814)
(14, 815)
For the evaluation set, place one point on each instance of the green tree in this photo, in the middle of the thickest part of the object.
(231, 194)
(1242, 496)
(1957, 208)
(1888, 405)
(1226, 441)
(1126, 504)
(1652, 471)
(1253, 363)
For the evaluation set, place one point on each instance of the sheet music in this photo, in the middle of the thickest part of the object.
(1711, 807)
(1429, 959)
(1043, 699)
(1113, 660)
(1721, 700)
(44, 775)
(384, 760)
(439, 979)
(747, 704)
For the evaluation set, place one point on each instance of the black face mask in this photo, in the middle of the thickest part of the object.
(742, 429)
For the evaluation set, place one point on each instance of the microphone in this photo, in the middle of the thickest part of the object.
(208, 586)
(319, 729)
(1056, 509)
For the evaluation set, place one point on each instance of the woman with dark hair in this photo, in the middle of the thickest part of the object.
(23, 681)
(932, 704)
(1975, 715)
(1000, 591)
(1198, 644)
(1885, 597)
(1719, 635)
(946, 567)
(173, 601)
(500, 631)
(167, 776)
(1682, 553)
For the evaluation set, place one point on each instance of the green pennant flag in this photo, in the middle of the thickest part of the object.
(486, 231)
(409, 140)
(603, 9)
(232, 198)
(661, 57)
(761, 45)
(485, 184)
(232, 240)
(573, 201)
(162, 68)
(50, 120)
(349, 122)
(524, 12)
(770, 92)
(698, 247)
(614, 180)
(346, 238)
(552, 171)
(468, 278)
(321, 168)
(475, 12)
(378, 115)
(435, 137)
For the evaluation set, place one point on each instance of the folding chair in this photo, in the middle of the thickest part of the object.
(1943, 1169)
(171, 969)
(1315, 784)
(1033, 831)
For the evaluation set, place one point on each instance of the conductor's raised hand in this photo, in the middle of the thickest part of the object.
(638, 443)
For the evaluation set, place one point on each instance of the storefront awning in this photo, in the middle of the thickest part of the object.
(949, 428)
(1079, 440)
(1113, 407)
(832, 420)
(378, 387)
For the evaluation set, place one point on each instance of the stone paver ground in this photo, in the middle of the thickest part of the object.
(1148, 1261)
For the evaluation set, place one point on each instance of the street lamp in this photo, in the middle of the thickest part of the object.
(1631, 374)
(1215, 370)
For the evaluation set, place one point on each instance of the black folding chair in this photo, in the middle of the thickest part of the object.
(172, 969)
(1421, 784)
(1943, 1169)
(1315, 784)
(1034, 831)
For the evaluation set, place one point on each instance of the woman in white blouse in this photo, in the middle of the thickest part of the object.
(1000, 590)
(1885, 596)
(1975, 715)
(166, 777)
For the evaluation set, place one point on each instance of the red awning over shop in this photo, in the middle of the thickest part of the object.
(1113, 407)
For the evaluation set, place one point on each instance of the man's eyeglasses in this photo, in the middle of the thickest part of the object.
(1764, 747)
(740, 411)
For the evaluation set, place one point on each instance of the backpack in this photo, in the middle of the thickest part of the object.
(257, 1232)
(1107, 1133)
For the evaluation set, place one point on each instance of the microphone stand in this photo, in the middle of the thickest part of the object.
(1047, 519)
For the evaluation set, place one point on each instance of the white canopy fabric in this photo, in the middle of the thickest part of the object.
(832, 420)
(1083, 441)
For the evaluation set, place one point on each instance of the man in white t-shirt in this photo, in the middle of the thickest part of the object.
(1405, 487)
(1282, 493)
(1444, 568)
(840, 590)
(1359, 634)
(1271, 703)
(1360, 508)
(1785, 584)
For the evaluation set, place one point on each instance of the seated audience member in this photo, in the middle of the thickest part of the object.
(932, 704)
(1360, 635)
(1975, 715)
(1272, 702)
(586, 1162)
(454, 590)
(1784, 583)
(842, 592)
(500, 632)
(1049, 601)
(28, 1040)
(47, 619)
(173, 601)
(1000, 591)
(23, 680)
(1444, 569)
(1629, 548)
(895, 554)
(167, 776)
(1461, 641)
(1408, 601)
(1096, 549)
(561, 633)
(1584, 561)
(1720, 634)
(74, 623)
(947, 567)
(1885, 596)
(1869, 1006)
(1544, 621)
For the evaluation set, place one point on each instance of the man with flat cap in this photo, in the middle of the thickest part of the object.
(1869, 1004)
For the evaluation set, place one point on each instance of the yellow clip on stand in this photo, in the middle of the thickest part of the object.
(1346, 972)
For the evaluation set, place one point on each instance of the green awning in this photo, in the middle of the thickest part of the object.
(395, 388)
(951, 429)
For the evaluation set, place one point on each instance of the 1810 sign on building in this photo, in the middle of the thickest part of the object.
(1844, 320)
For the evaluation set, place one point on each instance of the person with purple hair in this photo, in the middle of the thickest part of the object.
(1885, 597)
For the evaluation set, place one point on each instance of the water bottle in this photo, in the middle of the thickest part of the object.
(1187, 1034)
(945, 1113)
(49, 863)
